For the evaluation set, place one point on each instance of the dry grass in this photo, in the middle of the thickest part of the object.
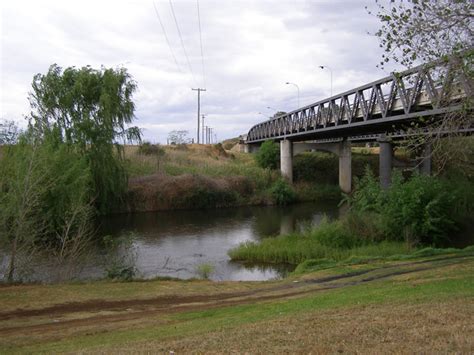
(187, 174)
(435, 327)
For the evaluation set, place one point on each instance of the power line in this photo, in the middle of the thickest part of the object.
(200, 40)
(166, 37)
(182, 42)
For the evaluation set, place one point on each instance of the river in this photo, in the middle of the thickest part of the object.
(175, 243)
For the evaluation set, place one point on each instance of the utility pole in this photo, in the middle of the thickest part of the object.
(205, 136)
(199, 110)
(202, 125)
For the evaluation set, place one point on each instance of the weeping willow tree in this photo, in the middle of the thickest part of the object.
(92, 110)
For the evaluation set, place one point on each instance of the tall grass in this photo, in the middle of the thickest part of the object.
(199, 160)
(330, 240)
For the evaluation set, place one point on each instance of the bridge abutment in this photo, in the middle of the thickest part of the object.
(345, 166)
(385, 165)
(286, 159)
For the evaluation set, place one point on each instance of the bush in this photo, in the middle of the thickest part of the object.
(282, 192)
(334, 234)
(146, 148)
(268, 156)
(420, 209)
(323, 167)
(319, 167)
(204, 197)
(205, 270)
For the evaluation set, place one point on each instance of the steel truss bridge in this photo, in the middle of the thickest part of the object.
(385, 106)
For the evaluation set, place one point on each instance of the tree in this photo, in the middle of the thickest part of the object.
(418, 31)
(9, 132)
(414, 31)
(45, 202)
(179, 137)
(268, 156)
(91, 110)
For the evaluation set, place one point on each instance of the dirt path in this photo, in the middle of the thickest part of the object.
(88, 313)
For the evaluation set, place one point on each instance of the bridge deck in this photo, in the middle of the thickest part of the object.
(382, 106)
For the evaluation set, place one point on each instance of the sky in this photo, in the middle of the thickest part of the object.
(250, 50)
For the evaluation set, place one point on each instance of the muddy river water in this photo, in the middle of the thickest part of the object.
(179, 243)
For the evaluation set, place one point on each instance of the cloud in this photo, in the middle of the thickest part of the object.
(251, 49)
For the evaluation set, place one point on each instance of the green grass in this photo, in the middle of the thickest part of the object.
(294, 249)
(429, 288)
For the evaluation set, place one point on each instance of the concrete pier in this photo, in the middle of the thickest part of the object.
(286, 159)
(425, 166)
(345, 167)
(385, 156)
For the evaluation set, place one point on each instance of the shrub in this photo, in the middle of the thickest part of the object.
(146, 148)
(334, 234)
(268, 156)
(420, 209)
(319, 167)
(204, 270)
(282, 192)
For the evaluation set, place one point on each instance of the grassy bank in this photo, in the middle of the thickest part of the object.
(208, 176)
(422, 305)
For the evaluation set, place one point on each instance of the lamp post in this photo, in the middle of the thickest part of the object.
(271, 108)
(297, 88)
(330, 71)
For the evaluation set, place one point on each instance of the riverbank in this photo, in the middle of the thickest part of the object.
(208, 176)
(420, 305)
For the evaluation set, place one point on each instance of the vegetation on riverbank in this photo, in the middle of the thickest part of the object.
(412, 213)
(419, 305)
(207, 176)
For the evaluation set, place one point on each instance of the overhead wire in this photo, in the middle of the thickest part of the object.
(200, 41)
(182, 42)
(166, 37)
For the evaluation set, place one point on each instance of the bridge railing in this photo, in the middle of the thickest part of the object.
(425, 90)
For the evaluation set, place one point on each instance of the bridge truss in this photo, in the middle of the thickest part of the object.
(383, 106)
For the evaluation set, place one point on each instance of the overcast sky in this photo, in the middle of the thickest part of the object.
(251, 49)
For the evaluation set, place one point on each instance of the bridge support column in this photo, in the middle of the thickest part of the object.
(345, 168)
(385, 156)
(286, 159)
(425, 166)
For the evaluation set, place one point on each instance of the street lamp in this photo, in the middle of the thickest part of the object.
(263, 115)
(271, 108)
(297, 88)
(330, 70)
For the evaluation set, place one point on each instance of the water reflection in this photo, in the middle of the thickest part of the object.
(175, 243)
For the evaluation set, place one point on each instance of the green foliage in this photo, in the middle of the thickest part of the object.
(317, 192)
(282, 192)
(205, 270)
(419, 209)
(91, 110)
(268, 156)
(319, 167)
(323, 167)
(45, 197)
